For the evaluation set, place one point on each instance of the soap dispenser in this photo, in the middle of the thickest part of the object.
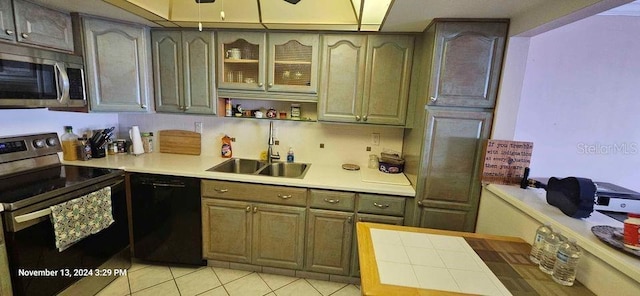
(290, 155)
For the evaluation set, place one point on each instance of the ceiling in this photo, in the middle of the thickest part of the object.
(403, 15)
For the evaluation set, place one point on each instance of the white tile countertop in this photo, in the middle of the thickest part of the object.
(318, 176)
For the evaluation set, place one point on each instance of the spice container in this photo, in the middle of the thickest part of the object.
(147, 142)
(295, 111)
(632, 231)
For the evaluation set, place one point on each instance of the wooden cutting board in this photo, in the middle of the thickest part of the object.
(179, 142)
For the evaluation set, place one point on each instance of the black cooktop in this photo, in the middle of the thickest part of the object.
(35, 186)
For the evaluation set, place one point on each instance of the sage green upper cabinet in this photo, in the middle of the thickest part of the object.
(117, 60)
(256, 65)
(6, 21)
(242, 57)
(342, 82)
(184, 75)
(467, 60)
(293, 62)
(37, 25)
(365, 79)
(448, 193)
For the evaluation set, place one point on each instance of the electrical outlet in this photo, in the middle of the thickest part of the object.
(375, 139)
(198, 127)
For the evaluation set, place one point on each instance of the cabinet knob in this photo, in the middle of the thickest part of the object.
(288, 196)
(364, 118)
(332, 201)
(143, 106)
(9, 32)
(350, 220)
(433, 99)
(185, 108)
(420, 204)
(248, 209)
(260, 84)
(270, 84)
(380, 206)
(357, 117)
(24, 35)
(255, 209)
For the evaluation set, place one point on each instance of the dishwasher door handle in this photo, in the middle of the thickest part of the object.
(168, 185)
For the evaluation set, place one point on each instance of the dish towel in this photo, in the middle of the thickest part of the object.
(78, 218)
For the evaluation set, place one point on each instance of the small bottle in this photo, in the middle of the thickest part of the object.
(564, 270)
(227, 108)
(632, 231)
(69, 144)
(290, 156)
(538, 242)
(549, 251)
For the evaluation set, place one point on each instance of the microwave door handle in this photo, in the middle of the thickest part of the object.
(64, 97)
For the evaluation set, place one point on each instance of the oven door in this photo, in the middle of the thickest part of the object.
(31, 245)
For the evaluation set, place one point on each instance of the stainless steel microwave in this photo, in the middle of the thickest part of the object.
(31, 78)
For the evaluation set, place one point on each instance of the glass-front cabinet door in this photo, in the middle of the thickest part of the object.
(293, 62)
(242, 56)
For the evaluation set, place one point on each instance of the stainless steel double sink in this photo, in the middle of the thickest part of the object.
(262, 168)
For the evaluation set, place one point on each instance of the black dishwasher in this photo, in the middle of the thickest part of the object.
(166, 219)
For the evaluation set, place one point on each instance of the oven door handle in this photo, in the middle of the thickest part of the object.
(32, 215)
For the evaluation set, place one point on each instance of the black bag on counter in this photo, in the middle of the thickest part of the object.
(573, 196)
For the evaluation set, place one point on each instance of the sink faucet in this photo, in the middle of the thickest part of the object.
(270, 155)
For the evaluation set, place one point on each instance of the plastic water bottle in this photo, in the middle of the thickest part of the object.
(564, 270)
(549, 251)
(538, 242)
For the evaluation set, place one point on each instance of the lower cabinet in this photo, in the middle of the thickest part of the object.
(237, 228)
(278, 236)
(287, 227)
(330, 235)
(255, 233)
(226, 230)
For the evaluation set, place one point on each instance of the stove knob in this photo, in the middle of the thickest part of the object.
(38, 143)
(52, 141)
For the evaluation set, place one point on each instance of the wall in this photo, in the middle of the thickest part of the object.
(579, 103)
(344, 143)
(26, 121)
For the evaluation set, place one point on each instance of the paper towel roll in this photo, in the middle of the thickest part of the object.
(134, 135)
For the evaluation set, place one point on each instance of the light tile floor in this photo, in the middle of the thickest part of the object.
(158, 280)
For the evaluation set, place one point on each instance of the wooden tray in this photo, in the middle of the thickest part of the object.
(179, 142)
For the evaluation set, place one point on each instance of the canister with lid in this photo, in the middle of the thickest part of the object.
(632, 231)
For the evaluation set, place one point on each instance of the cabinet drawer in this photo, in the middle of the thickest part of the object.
(332, 200)
(255, 192)
(381, 204)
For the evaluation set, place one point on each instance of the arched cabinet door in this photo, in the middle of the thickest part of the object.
(342, 77)
(467, 60)
(118, 61)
